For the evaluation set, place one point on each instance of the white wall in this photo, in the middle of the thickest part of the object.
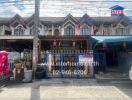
(45, 31)
(27, 31)
(130, 29)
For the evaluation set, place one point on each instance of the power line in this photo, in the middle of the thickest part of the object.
(68, 5)
(63, 1)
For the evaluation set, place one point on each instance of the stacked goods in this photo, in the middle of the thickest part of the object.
(13, 56)
(27, 56)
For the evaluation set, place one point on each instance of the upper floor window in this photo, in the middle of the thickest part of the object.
(120, 31)
(69, 30)
(56, 32)
(127, 31)
(84, 30)
(19, 31)
(31, 31)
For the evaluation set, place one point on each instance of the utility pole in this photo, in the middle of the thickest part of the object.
(35, 35)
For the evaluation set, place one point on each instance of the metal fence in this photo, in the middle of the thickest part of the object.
(73, 64)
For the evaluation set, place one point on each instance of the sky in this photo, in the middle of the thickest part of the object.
(61, 8)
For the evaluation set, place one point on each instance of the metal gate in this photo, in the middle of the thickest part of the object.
(70, 65)
(99, 61)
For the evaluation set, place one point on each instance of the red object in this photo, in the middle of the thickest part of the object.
(4, 69)
(104, 46)
(54, 43)
(117, 11)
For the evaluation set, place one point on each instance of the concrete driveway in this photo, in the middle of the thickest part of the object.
(66, 89)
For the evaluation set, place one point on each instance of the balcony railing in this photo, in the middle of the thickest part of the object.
(21, 35)
(16, 36)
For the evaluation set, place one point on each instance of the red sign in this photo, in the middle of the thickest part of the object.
(117, 12)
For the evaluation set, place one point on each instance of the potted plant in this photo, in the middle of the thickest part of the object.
(17, 63)
(28, 59)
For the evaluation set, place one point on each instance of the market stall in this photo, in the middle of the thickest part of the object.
(16, 66)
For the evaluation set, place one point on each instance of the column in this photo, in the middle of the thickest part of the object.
(92, 30)
(12, 31)
(62, 31)
(112, 30)
(52, 29)
(39, 51)
(102, 29)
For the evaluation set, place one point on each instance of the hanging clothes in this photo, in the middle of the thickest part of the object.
(4, 69)
(1, 70)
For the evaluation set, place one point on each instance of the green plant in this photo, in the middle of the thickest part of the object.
(28, 56)
(17, 61)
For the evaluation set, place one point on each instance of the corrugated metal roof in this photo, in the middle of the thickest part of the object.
(109, 39)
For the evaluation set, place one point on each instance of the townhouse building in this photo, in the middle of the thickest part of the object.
(66, 34)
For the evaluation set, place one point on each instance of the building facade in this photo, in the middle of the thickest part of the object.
(67, 34)
(18, 28)
(69, 25)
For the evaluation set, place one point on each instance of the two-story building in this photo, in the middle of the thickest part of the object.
(57, 30)
(61, 33)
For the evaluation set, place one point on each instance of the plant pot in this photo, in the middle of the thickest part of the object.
(27, 76)
(28, 65)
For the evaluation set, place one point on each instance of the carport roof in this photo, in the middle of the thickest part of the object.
(112, 39)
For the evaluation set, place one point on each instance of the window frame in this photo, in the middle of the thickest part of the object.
(120, 31)
(69, 30)
(85, 30)
(19, 30)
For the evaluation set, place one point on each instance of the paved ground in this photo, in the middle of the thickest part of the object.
(65, 89)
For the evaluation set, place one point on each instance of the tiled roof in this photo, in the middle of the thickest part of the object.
(98, 20)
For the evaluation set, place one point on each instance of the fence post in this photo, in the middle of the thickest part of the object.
(62, 61)
(46, 62)
(78, 65)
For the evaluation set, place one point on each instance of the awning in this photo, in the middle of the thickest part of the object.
(111, 39)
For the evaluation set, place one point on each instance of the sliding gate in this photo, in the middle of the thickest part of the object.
(70, 65)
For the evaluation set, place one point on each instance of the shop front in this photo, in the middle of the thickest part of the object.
(67, 57)
(16, 45)
(19, 57)
(117, 51)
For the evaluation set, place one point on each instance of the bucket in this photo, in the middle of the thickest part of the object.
(27, 76)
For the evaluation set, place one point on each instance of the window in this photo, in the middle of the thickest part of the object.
(19, 31)
(127, 31)
(31, 31)
(56, 32)
(69, 30)
(84, 30)
(7, 32)
(120, 31)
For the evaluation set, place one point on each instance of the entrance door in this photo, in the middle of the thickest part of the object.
(112, 59)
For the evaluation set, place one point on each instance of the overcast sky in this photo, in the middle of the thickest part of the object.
(62, 7)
